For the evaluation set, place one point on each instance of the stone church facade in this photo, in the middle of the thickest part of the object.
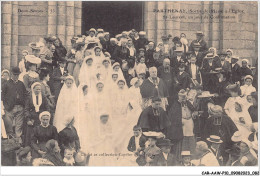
(225, 24)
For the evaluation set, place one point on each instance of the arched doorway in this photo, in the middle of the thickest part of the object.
(113, 16)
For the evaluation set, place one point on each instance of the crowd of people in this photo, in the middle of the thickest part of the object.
(127, 101)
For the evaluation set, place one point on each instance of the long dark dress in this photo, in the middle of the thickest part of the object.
(68, 138)
(40, 136)
(31, 115)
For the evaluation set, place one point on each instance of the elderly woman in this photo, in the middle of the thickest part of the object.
(34, 105)
(68, 137)
(31, 76)
(220, 125)
(121, 52)
(247, 156)
(41, 134)
(53, 153)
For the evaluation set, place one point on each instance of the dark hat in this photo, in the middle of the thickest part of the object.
(22, 152)
(235, 151)
(176, 39)
(165, 142)
(16, 70)
(154, 99)
(166, 37)
(62, 60)
(48, 39)
(196, 45)
(222, 53)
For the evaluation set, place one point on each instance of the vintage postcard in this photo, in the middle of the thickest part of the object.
(129, 83)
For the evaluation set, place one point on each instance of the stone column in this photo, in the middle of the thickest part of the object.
(69, 22)
(61, 26)
(52, 17)
(77, 17)
(150, 20)
(160, 21)
(6, 33)
(14, 58)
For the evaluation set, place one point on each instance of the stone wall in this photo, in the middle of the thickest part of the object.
(25, 22)
(236, 29)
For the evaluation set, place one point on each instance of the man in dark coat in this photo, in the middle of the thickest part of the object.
(199, 55)
(201, 41)
(154, 118)
(150, 62)
(165, 158)
(235, 70)
(183, 78)
(177, 60)
(142, 41)
(167, 74)
(14, 95)
(154, 87)
(58, 78)
(220, 125)
(175, 131)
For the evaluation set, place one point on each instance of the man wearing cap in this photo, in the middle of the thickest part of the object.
(154, 118)
(180, 114)
(13, 96)
(167, 74)
(197, 53)
(165, 158)
(154, 87)
(215, 144)
(186, 159)
(201, 41)
(220, 125)
(142, 41)
(235, 70)
(178, 59)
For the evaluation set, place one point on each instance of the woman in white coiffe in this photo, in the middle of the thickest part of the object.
(67, 104)
(87, 74)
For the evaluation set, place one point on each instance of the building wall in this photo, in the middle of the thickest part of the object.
(239, 32)
(25, 22)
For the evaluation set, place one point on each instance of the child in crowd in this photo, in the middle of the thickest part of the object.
(141, 64)
(68, 157)
(183, 78)
(186, 159)
(247, 88)
(137, 142)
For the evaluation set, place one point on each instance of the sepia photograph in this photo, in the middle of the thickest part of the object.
(130, 83)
